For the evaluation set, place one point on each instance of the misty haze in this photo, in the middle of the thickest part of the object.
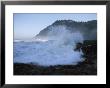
(63, 45)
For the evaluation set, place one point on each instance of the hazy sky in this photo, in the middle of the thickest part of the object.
(27, 25)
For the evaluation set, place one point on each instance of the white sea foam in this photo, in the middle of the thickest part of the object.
(58, 50)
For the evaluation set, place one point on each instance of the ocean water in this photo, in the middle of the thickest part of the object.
(56, 50)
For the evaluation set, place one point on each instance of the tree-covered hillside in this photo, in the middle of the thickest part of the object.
(88, 29)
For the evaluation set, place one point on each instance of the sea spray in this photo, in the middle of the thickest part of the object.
(57, 50)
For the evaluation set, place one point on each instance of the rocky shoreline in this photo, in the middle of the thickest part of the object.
(87, 67)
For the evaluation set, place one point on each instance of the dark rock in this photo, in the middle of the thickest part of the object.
(87, 67)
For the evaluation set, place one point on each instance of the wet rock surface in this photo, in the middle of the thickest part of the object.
(87, 67)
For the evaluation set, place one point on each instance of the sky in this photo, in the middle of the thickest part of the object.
(28, 25)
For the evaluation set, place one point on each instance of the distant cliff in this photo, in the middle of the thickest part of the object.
(88, 29)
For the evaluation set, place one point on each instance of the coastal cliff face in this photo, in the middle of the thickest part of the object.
(87, 29)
